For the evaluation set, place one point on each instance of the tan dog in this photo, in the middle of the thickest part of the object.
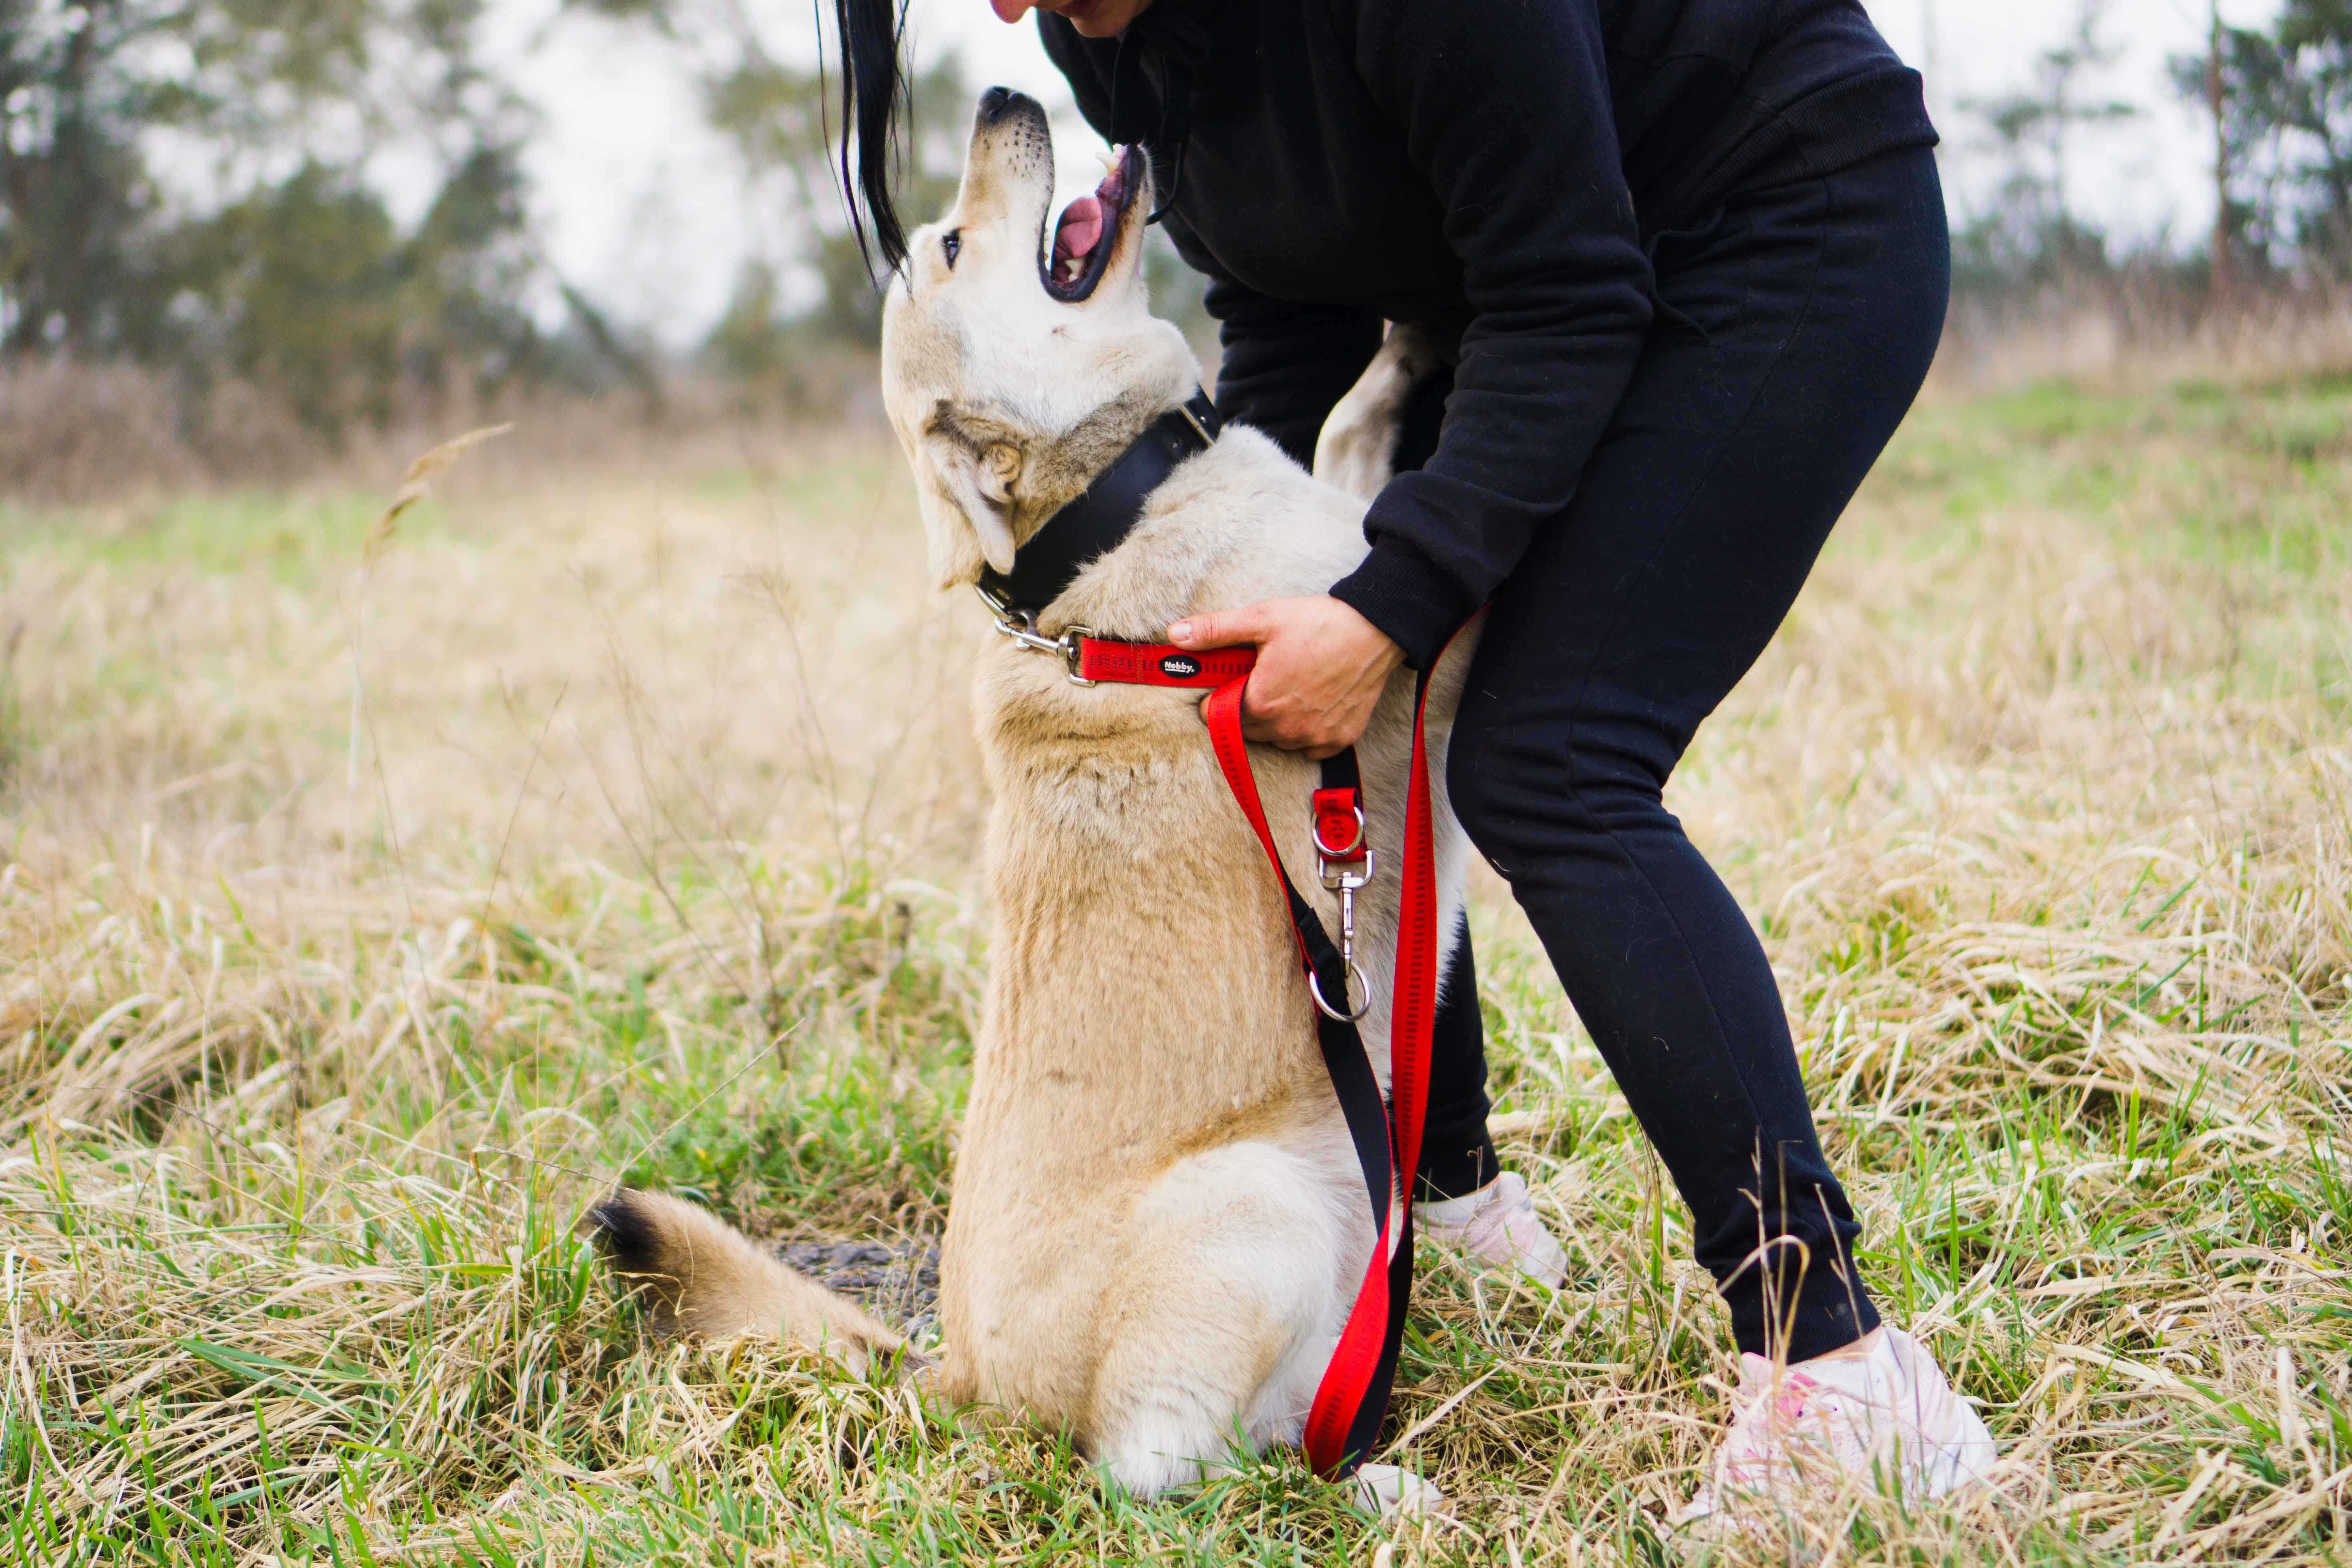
(1158, 1223)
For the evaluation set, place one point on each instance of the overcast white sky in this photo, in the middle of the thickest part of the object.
(642, 208)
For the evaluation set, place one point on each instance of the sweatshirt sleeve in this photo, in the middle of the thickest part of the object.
(1505, 107)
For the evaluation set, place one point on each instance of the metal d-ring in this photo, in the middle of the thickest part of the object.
(1345, 852)
(1356, 982)
(1072, 650)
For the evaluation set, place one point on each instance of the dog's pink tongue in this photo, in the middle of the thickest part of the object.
(1081, 225)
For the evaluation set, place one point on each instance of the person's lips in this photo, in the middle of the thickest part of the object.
(1075, 10)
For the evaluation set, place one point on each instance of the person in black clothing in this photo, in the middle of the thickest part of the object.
(1691, 258)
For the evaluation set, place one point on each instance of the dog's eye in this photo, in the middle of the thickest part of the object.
(952, 246)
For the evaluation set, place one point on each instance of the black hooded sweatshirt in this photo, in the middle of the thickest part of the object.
(1499, 169)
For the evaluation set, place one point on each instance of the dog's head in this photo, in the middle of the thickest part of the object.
(1019, 352)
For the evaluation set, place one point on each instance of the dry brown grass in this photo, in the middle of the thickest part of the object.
(2143, 331)
(121, 435)
(358, 928)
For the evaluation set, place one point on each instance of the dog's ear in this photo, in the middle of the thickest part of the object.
(974, 489)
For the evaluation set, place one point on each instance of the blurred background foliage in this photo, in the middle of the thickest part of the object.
(180, 186)
(776, 116)
(2286, 101)
(2282, 101)
(194, 189)
(184, 186)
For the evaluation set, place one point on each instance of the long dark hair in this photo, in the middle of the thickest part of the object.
(873, 99)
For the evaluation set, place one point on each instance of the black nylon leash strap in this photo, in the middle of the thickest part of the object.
(1366, 1110)
(1367, 1113)
(1099, 520)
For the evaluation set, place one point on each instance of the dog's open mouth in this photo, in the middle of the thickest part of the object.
(1087, 231)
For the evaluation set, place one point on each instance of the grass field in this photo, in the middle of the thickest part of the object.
(358, 925)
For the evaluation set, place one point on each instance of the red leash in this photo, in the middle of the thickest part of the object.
(1353, 1397)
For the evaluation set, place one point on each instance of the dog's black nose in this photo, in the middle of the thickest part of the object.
(1001, 102)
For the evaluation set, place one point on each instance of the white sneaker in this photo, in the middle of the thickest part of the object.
(1879, 1412)
(1497, 1224)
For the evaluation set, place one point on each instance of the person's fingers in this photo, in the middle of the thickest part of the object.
(1012, 10)
(1223, 629)
(1269, 717)
(1269, 735)
(1314, 740)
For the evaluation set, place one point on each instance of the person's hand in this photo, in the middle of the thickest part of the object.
(1321, 669)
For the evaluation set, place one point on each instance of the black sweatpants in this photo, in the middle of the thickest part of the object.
(1794, 330)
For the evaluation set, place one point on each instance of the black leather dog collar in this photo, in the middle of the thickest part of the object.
(1099, 520)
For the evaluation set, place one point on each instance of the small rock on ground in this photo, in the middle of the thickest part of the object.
(896, 1279)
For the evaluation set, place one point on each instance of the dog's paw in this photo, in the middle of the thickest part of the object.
(1391, 1490)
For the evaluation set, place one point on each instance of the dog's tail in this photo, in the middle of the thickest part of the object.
(700, 1276)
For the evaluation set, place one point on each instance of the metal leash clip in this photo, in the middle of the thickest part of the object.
(1344, 869)
(1021, 626)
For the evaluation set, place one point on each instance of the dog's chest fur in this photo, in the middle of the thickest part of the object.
(1139, 932)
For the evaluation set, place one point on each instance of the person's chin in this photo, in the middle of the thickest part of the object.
(1092, 18)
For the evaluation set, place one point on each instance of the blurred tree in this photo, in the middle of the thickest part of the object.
(294, 274)
(468, 272)
(307, 286)
(754, 341)
(72, 188)
(2223, 246)
(2285, 100)
(85, 87)
(297, 287)
(777, 115)
(2033, 232)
